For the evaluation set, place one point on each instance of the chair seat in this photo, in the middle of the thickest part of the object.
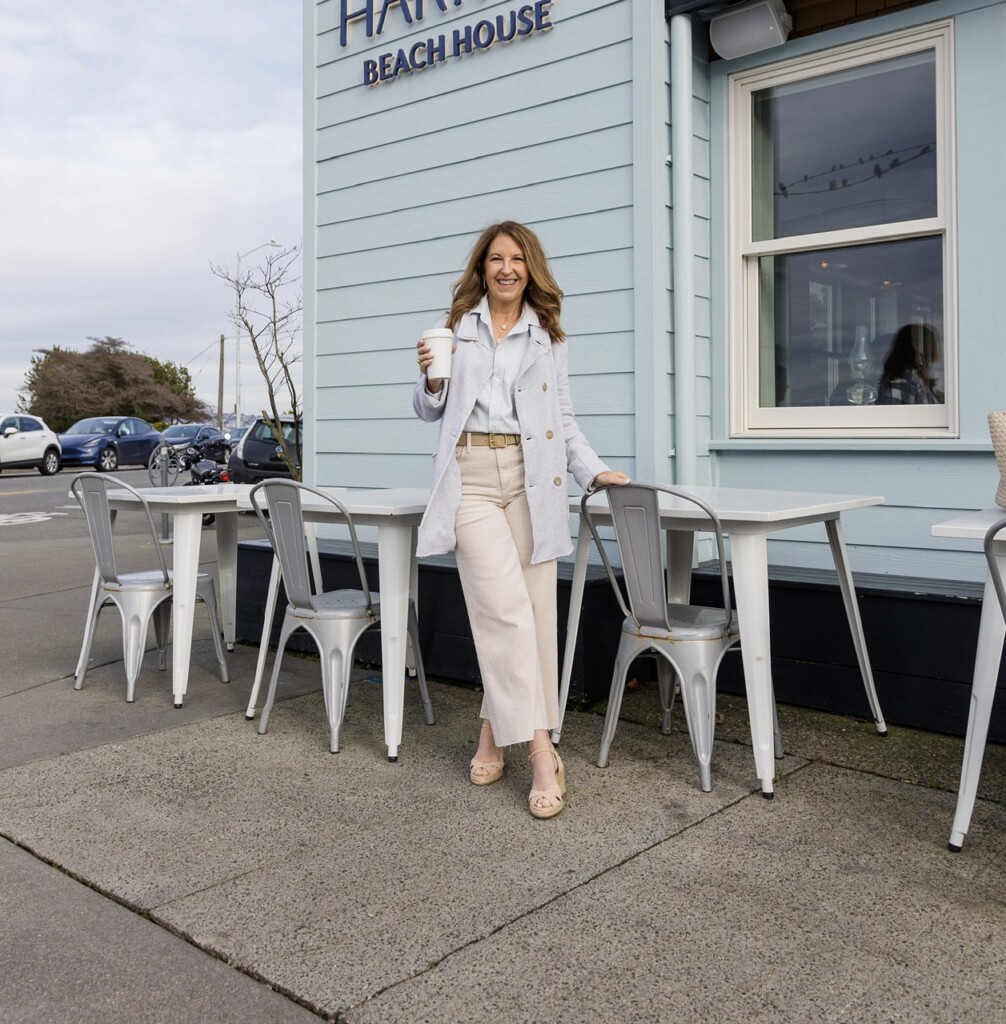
(339, 604)
(687, 622)
(151, 580)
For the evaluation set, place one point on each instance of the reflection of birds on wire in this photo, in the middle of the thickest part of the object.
(877, 171)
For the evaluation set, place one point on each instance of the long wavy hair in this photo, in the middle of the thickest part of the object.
(543, 295)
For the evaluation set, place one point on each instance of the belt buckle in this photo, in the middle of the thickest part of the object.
(497, 440)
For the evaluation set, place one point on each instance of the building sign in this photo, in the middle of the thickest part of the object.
(519, 22)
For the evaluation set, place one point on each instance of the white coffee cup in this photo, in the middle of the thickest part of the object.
(440, 341)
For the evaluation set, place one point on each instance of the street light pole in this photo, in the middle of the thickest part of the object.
(237, 327)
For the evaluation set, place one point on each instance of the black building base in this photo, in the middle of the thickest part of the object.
(922, 645)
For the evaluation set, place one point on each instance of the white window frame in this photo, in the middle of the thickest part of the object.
(747, 418)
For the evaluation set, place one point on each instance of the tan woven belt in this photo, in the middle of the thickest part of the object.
(488, 440)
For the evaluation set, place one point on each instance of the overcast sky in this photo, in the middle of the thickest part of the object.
(139, 142)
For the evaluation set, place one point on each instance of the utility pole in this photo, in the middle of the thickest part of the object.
(220, 388)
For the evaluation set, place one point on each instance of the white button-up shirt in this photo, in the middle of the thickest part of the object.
(494, 411)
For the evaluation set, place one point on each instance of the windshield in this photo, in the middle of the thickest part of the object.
(262, 432)
(181, 431)
(95, 425)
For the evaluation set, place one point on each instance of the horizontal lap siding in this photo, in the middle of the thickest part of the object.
(921, 486)
(407, 174)
(895, 538)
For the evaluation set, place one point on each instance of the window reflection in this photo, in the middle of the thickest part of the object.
(850, 149)
(860, 325)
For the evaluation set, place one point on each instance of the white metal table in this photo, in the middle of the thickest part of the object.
(186, 506)
(396, 512)
(748, 516)
(991, 633)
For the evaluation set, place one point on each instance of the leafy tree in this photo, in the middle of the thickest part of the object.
(272, 322)
(63, 386)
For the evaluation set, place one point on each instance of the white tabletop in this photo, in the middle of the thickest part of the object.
(379, 502)
(755, 505)
(179, 496)
(971, 525)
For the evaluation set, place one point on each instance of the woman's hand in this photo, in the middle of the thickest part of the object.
(611, 478)
(424, 356)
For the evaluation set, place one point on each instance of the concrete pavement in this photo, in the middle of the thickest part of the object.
(175, 866)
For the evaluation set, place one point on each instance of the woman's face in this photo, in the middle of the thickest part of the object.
(505, 271)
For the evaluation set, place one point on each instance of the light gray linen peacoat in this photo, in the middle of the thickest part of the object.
(550, 438)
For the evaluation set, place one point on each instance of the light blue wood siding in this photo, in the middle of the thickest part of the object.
(408, 172)
(922, 482)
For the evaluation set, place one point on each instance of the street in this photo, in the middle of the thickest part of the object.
(29, 500)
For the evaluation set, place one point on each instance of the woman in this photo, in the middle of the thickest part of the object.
(906, 380)
(499, 498)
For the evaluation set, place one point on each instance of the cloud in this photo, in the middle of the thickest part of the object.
(141, 144)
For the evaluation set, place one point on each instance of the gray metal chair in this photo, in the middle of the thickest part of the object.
(336, 619)
(139, 596)
(688, 640)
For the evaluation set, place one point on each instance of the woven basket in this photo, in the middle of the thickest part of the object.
(997, 428)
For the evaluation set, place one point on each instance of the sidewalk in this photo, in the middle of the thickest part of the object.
(175, 866)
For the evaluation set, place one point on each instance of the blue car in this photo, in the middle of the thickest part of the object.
(107, 442)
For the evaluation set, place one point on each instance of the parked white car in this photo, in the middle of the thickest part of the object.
(26, 443)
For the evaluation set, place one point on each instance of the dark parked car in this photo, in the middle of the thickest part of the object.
(257, 455)
(27, 443)
(218, 444)
(107, 442)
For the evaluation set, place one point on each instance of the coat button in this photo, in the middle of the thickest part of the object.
(544, 387)
(557, 481)
(548, 434)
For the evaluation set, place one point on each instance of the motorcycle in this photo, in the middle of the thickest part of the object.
(205, 471)
(168, 461)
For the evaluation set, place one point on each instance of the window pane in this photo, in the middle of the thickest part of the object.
(860, 325)
(846, 150)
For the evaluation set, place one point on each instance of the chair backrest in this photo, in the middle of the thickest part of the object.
(994, 574)
(284, 525)
(635, 514)
(91, 491)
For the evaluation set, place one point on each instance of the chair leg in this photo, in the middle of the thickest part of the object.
(162, 630)
(627, 650)
(776, 731)
(288, 628)
(85, 650)
(698, 695)
(134, 642)
(667, 684)
(335, 685)
(211, 608)
(420, 669)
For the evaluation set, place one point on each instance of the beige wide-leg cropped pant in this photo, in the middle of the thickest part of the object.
(511, 603)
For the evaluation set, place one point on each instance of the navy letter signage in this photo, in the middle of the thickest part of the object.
(517, 23)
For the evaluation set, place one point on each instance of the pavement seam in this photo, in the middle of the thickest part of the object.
(434, 964)
(150, 916)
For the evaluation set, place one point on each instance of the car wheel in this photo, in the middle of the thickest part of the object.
(50, 462)
(108, 461)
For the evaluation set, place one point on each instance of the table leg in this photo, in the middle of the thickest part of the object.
(749, 558)
(412, 657)
(573, 621)
(188, 531)
(272, 595)
(991, 634)
(227, 572)
(395, 555)
(839, 554)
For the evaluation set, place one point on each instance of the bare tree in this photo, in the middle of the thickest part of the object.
(272, 322)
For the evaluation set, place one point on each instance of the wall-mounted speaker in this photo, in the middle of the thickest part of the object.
(748, 29)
